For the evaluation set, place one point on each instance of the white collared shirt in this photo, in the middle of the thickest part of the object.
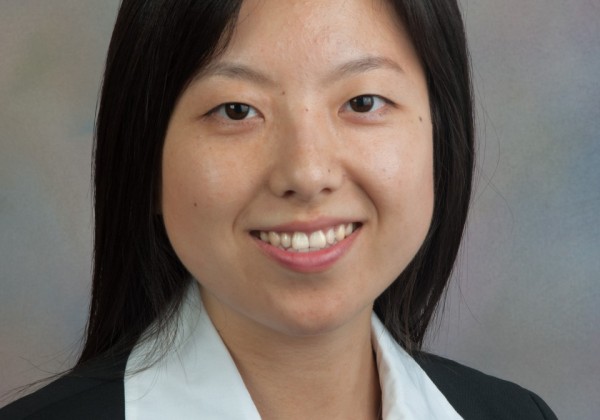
(198, 379)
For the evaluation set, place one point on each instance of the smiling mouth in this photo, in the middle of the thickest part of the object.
(307, 242)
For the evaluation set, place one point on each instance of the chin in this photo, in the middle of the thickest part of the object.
(318, 319)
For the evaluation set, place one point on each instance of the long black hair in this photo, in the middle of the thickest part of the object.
(156, 49)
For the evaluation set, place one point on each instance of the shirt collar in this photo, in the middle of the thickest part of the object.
(406, 390)
(197, 378)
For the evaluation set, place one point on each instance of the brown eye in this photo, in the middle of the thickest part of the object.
(362, 103)
(236, 111)
(366, 103)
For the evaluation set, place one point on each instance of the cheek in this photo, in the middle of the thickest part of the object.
(400, 188)
(398, 169)
(194, 189)
(415, 190)
(197, 180)
(206, 189)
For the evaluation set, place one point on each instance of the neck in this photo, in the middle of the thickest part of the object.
(329, 376)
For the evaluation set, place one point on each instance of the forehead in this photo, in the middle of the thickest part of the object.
(310, 35)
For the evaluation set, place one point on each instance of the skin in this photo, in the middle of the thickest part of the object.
(302, 340)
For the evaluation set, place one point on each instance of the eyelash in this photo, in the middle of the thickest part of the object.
(221, 111)
(374, 98)
(250, 111)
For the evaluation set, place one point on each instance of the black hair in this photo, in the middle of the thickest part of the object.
(156, 49)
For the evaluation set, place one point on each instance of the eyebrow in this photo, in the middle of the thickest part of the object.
(344, 70)
(236, 71)
(363, 65)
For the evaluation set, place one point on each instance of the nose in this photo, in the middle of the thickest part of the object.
(307, 159)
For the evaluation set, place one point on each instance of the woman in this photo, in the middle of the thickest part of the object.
(280, 194)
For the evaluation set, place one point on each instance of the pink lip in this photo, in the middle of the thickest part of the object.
(309, 262)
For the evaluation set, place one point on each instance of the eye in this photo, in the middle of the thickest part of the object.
(234, 111)
(366, 103)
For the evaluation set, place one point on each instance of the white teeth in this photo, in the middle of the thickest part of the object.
(340, 232)
(303, 242)
(274, 238)
(300, 241)
(330, 236)
(286, 240)
(348, 229)
(317, 239)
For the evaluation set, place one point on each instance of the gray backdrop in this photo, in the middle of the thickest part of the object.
(525, 300)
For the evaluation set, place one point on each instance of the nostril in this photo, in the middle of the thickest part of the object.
(291, 193)
(304, 181)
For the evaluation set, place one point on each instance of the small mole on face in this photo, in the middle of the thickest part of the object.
(283, 93)
(195, 204)
(420, 118)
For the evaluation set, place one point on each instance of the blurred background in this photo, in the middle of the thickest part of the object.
(525, 298)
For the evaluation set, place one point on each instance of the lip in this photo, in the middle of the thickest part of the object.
(312, 261)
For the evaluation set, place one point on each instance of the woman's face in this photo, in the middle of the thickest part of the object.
(315, 117)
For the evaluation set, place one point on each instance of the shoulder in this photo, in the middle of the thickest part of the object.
(92, 393)
(476, 395)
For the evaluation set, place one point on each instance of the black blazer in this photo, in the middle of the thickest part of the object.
(98, 393)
